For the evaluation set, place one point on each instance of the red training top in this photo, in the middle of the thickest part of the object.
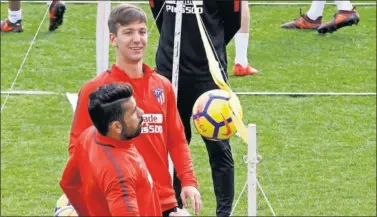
(107, 177)
(162, 129)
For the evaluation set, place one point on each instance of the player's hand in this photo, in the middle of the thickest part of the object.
(180, 212)
(194, 195)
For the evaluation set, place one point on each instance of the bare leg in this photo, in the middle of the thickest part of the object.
(55, 1)
(245, 17)
(14, 5)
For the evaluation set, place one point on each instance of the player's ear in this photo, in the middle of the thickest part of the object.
(116, 127)
(113, 39)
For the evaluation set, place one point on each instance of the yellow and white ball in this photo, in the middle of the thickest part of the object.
(211, 114)
(62, 202)
(66, 211)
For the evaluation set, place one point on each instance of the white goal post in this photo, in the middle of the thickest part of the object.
(102, 36)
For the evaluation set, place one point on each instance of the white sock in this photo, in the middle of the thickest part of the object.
(14, 16)
(316, 9)
(241, 41)
(344, 5)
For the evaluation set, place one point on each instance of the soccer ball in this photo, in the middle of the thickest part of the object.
(66, 211)
(62, 202)
(211, 114)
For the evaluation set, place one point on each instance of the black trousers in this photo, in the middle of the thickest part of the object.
(219, 152)
(167, 212)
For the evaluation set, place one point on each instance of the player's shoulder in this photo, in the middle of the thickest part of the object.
(81, 143)
(88, 134)
(162, 80)
(93, 83)
(116, 161)
(156, 77)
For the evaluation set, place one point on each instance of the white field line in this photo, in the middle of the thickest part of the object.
(24, 60)
(307, 93)
(72, 98)
(250, 3)
(28, 92)
(38, 92)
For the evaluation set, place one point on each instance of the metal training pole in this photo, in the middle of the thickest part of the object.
(176, 54)
(252, 171)
(102, 35)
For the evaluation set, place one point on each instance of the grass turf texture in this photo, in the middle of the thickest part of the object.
(319, 152)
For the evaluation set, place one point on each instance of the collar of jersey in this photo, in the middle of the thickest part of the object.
(107, 141)
(118, 72)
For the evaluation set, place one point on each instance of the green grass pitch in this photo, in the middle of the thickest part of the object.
(319, 152)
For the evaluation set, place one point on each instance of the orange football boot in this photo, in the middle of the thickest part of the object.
(7, 26)
(238, 70)
(303, 22)
(341, 19)
(57, 11)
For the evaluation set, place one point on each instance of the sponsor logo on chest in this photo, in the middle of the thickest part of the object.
(188, 6)
(152, 123)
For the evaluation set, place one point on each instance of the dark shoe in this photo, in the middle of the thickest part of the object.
(303, 22)
(341, 19)
(7, 26)
(57, 11)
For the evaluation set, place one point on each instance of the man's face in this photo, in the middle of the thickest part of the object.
(132, 120)
(130, 41)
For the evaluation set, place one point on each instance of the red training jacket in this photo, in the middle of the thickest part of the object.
(107, 177)
(162, 129)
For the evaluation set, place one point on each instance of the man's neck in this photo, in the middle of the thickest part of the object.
(113, 136)
(133, 70)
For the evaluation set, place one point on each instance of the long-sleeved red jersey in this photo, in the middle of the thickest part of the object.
(107, 177)
(162, 129)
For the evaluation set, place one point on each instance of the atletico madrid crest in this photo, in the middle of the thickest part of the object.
(159, 94)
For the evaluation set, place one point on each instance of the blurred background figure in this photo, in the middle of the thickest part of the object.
(345, 16)
(13, 23)
(241, 42)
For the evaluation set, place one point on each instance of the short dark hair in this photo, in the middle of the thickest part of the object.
(125, 14)
(105, 104)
